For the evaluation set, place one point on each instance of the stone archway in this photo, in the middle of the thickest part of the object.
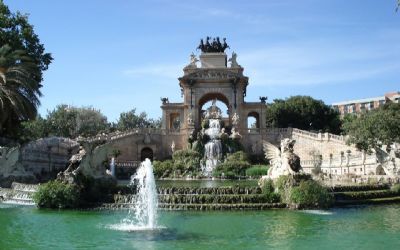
(146, 153)
(213, 96)
(256, 116)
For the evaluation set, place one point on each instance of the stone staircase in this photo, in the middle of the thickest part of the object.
(366, 194)
(19, 193)
(185, 198)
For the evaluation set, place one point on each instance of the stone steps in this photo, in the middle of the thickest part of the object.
(212, 206)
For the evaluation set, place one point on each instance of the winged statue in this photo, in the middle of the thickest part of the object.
(283, 161)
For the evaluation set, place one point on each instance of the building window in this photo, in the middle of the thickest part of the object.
(371, 105)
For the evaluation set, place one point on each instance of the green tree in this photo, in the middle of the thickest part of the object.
(303, 112)
(33, 129)
(375, 128)
(69, 121)
(22, 62)
(19, 92)
(16, 31)
(131, 120)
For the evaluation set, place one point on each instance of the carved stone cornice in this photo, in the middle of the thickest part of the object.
(212, 74)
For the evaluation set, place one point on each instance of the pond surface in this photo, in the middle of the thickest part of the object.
(370, 227)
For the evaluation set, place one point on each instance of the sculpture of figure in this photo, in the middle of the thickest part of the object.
(164, 100)
(74, 161)
(388, 160)
(283, 161)
(193, 61)
(201, 46)
(234, 63)
(173, 146)
(214, 46)
(190, 119)
(235, 134)
(224, 45)
(235, 119)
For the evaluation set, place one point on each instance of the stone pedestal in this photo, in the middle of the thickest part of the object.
(213, 60)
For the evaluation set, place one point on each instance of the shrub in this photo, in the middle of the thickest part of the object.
(234, 165)
(258, 159)
(55, 194)
(161, 167)
(187, 160)
(395, 188)
(268, 190)
(230, 145)
(310, 193)
(257, 170)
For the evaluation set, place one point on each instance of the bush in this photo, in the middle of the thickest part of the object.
(268, 190)
(230, 145)
(55, 194)
(310, 194)
(237, 156)
(257, 170)
(395, 188)
(162, 167)
(187, 160)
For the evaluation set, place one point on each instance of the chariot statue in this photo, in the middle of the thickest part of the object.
(283, 161)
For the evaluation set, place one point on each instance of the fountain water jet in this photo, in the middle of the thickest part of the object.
(143, 213)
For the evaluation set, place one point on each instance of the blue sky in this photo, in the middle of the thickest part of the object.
(118, 55)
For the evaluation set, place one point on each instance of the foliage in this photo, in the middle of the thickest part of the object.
(237, 156)
(302, 112)
(234, 165)
(16, 31)
(375, 128)
(268, 191)
(310, 193)
(258, 159)
(395, 188)
(187, 160)
(19, 92)
(69, 121)
(55, 194)
(162, 167)
(205, 123)
(130, 120)
(230, 145)
(34, 129)
(364, 195)
(22, 62)
(257, 170)
(95, 190)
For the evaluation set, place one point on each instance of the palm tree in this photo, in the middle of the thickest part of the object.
(19, 91)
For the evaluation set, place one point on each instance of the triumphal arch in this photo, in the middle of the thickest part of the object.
(210, 76)
(214, 76)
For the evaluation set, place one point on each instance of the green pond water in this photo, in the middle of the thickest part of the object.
(370, 227)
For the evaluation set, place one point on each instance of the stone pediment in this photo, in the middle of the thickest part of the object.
(212, 74)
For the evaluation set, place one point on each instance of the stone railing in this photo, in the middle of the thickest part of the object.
(118, 135)
(305, 133)
(319, 136)
(336, 162)
(127, 164)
